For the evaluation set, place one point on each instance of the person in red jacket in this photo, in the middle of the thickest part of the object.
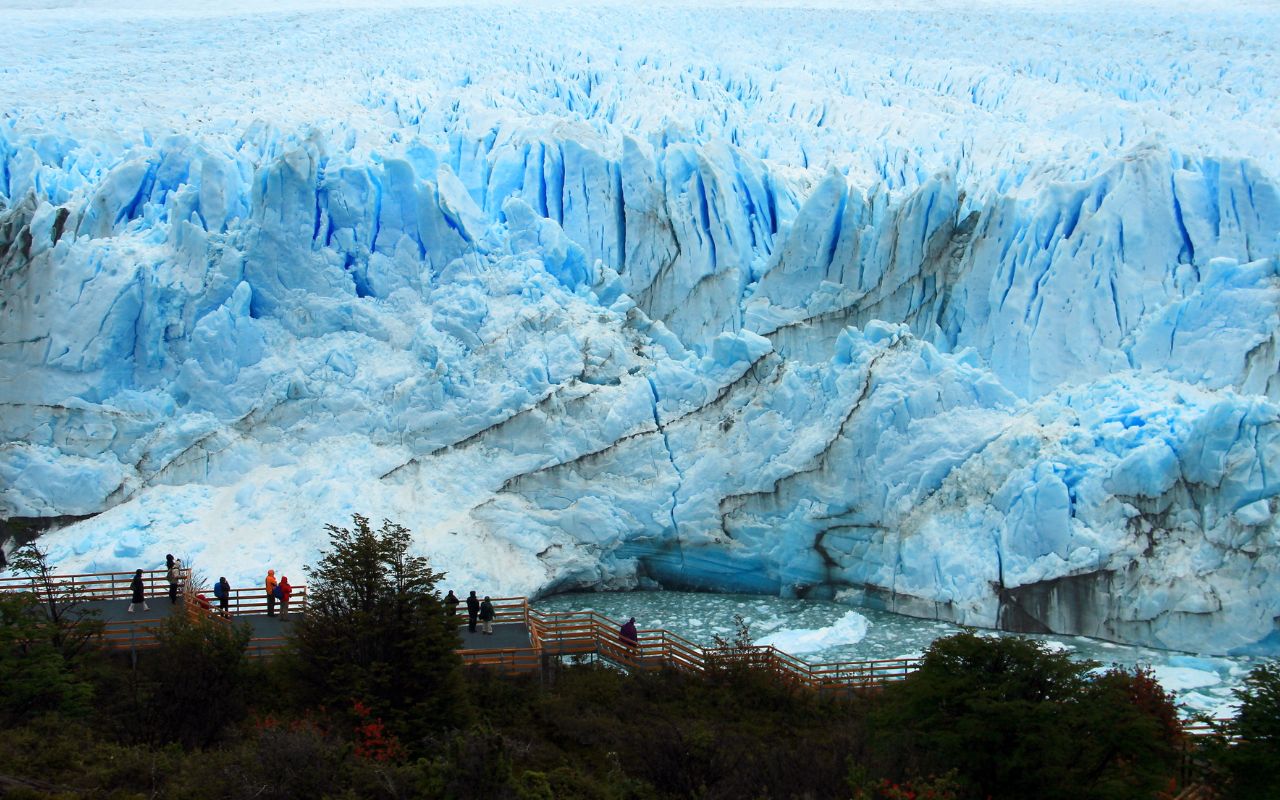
(285, 591)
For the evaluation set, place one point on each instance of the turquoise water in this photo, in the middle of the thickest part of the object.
(1201, 683)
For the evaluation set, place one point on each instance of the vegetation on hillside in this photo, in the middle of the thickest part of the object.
(370, 701)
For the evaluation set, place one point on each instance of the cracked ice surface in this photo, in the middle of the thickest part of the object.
(966, 311)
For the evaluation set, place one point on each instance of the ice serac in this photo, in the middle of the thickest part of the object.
(861, 329)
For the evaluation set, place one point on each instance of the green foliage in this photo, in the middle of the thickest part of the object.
(1252, 763)
(190, 688)
(375, 631)
(1129, 738)
(1015, 720)
(36, 676)
(70, 626)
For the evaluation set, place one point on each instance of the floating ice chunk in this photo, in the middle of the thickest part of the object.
(1180, 679)
(849, 629)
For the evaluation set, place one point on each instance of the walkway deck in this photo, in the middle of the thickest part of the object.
(507, 635)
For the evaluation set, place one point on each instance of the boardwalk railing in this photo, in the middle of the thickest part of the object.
(551, 634)
(138, 632)
(253, 601)
(94, 586)
(587, 632)
(506, 610)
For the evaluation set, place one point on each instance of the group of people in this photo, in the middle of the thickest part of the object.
(477, 609)
(277, 591)
(280, 591)
(173, 574)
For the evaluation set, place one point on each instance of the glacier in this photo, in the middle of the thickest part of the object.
(963, 311)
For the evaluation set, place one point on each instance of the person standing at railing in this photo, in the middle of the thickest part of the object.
(451, 607)
(173, 572)
(486, 616)
(628, 636)
(222, 591)
(271, 592)
(139, 592)
(286, 591)
(473, 610)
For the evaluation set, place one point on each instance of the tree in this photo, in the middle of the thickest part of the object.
(195, 683)
(1252, 762)
(1130, 736)
(35, 674)
(45, 634)
(1014, 719)
(72, 626)
(376, 632)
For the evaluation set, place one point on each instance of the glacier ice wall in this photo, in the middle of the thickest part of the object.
(657, 298)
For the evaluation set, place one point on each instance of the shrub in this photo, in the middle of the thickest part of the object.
(37, 677)
(1252, 764)
(375, 631)
(1130, 738)
(194, 684)
(1015, 720)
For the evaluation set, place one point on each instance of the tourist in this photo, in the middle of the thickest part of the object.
(222, 591)
(173, 572)
(285, 591)
(451, 607)
(473, 609)
(271, 592)
(486, 615)
(139, 592)
(628, 636)
(205, 605)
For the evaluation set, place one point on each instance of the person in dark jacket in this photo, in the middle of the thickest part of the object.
(222, 591)
(451, 606)
(628, 636)
(473, 610)
(139, 592)
(173, 571)
(486, 616)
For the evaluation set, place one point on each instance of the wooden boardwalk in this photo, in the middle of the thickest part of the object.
(522, 640)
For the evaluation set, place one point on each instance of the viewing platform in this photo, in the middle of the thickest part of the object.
(524, 638)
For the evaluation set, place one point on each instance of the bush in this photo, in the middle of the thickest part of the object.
(1015, 720)
(375, 631)
(194, 684)
(1130, 737)
(1252, 764)
(37, 677)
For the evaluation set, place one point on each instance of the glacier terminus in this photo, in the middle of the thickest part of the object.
(967, 311)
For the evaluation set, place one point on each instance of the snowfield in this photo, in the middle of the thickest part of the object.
(968, 311)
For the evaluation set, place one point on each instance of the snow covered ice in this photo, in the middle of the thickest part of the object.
(967, 311)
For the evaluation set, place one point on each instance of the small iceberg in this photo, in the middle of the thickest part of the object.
(849, 629)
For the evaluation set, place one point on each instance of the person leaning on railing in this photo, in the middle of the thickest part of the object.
(486, 615)
(271, 592)
(222, 591)
(284, 591)
(473, 611)
(173, 572)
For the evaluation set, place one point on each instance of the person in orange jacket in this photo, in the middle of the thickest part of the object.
(271, 593)
(285, 590)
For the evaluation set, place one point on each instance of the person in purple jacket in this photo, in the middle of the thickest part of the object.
(628, 636)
